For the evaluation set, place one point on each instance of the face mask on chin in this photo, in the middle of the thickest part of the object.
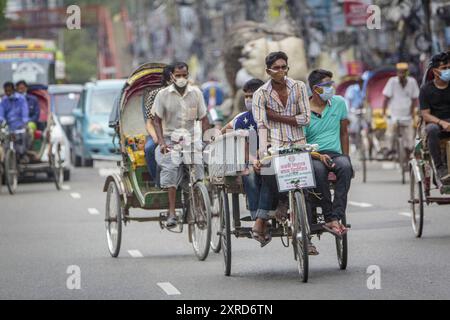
(277, 76)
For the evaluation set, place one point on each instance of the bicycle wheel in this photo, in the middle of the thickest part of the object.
(113, 219)
(201, 228)
(11, 172)
(342, 248)
(225, 228)
(215, 220)
(57, 168)
(300, 234)
(417, 204)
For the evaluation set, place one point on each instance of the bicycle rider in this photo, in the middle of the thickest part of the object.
(14, 111)
(401, 97)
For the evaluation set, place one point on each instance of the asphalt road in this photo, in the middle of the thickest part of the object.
(47, 236)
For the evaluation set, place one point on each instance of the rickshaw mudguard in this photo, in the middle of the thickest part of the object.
(414, 165)
(119, 183)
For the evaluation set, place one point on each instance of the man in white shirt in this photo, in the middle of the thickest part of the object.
(401, 95)
(176, 110)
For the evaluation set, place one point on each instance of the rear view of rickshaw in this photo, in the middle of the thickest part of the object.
(134, 187)
(44, 147)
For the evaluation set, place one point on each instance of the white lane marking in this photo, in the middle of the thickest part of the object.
(168, 288)
(406, 214)
(65, 187)
(360, 204)
(93, 211)
(75, 195)
(135, 253)
(104, 172)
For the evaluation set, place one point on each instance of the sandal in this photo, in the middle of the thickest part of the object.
(258, 236)
(343, 229)
(333, 228)
(312, 250)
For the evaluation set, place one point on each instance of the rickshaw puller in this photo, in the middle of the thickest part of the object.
(176, 109)
(14, 111)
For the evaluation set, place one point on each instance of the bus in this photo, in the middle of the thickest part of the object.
(36, 61)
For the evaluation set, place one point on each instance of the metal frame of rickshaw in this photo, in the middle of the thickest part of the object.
(132, 187)
(423, 175)
(227, 180)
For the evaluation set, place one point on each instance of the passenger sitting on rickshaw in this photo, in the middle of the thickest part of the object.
(245, 121)
(435, 109)
(33, 107)
(176, 109)
(400, 96)
(328, 129)
(152, 139)
(14, 111)
(280, 109)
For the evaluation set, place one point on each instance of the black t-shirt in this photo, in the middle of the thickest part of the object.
(437, 100)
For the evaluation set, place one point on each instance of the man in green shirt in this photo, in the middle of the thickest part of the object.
(328, 129)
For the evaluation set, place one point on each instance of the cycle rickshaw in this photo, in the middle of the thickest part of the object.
(133, 186)
(227, 164)
(47, 153)
(423, 174)
(378, 146)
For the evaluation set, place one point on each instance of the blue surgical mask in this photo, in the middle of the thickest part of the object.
(445, 75)
(248, 104)
(328, 93)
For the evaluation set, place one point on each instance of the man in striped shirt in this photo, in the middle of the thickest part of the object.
(280, 109)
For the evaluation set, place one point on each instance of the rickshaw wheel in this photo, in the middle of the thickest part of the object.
(225, 228)
(300, 235)
(201, 229)
(57, 168)
(113, 219)
(215, 220)
(342, 248)
(417, 201)
(11, 173)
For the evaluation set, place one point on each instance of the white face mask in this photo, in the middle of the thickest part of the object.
(180, 82)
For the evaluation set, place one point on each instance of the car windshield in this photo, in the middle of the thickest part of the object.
(64, 103)
(102, 101)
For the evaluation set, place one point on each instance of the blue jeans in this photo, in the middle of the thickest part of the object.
(333, 209)
(252, 187)
(150, 147)
(269, 196)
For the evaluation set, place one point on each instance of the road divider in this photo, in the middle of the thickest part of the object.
(93, 211)
(75, 195)
(360, 204)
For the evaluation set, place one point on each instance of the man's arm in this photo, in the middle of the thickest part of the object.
(385, 104)
(276, 117)
(344, 137)
(205, 124)
(151, 130)
(414, 104)
(159, 133)
(429, 118)
(260, 117)
(2, 111)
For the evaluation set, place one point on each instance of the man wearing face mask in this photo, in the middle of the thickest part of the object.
(328, 129)
(400, 95)
(245, 121)
(176, 110)
(280, 109)
(435, 109)
(14, 111)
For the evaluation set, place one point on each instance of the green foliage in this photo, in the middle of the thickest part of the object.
(80, 50)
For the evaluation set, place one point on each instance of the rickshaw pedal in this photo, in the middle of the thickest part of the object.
(247, 219)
